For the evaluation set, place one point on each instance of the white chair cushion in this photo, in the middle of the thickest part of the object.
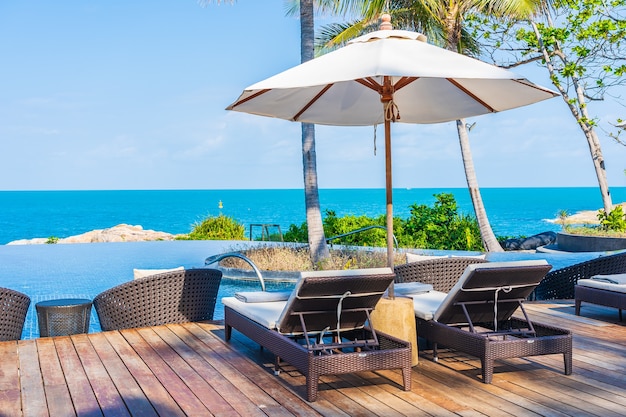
(413, 257)
(602, 285)
(407, 288)
(345, 273)
(262, 296)
(142, 273)
(266, 314)
(611, 279)
(483, 256)
(425, 304)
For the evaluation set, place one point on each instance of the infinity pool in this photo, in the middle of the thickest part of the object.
(45, 272)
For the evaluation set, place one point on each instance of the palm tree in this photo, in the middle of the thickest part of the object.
(317, 240)
(441, 21)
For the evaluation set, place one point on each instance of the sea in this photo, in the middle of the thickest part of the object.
(37, 214)
(62, 271)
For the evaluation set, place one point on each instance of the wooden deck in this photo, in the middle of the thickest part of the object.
(188, 369)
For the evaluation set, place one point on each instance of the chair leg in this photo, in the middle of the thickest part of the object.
(406, 377)
(435, 354)
(577, 307)
(620, 314)
(276, 365)
(567, 359)
(312, 380)
(487, 365)
(228, 330)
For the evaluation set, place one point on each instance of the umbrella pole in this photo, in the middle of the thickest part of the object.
(386, 98)
(389, 191)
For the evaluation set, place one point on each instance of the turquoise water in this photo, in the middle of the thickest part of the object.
(30, 214)
(46, 272)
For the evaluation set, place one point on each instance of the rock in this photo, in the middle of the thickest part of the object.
(540, 239)
(119, 233)
(584, 217)
(35, 241)
(532, 242)
(511, 244)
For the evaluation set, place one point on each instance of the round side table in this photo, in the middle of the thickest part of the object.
(63, 317)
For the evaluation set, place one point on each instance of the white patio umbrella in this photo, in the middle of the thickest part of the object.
(388, 76)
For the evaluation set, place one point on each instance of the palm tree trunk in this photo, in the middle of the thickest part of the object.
(453, 31)
(317, 239)
(489, 239)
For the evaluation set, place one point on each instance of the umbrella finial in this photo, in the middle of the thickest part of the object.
(386, 22)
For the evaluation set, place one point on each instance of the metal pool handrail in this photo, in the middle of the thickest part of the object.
(363, 229)
(216, 258)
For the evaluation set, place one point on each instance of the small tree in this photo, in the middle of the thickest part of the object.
(581, 45)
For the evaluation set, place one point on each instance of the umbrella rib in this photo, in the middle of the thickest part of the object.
(253, 96)
(536, 87)
(369, 82)
(469, 93)
(403, 82)
(310, 103)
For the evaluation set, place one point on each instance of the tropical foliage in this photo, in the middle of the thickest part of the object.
(216, 228)
(438, 227)
(613, 221)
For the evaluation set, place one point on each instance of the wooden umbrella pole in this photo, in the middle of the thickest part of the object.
(386, 97)
(389, 191)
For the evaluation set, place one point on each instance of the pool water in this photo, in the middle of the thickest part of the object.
(45, 272)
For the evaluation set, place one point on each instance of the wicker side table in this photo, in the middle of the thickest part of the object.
(63, 317)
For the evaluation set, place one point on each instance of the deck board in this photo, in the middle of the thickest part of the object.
(189, 369)
(109, 398)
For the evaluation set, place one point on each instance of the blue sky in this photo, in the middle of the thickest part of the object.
(131, 95)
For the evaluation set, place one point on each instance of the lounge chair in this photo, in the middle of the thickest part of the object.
(475, 317)
(606, 290)
(13, 309)
(319, 328)
(559, 284)
(170, 297)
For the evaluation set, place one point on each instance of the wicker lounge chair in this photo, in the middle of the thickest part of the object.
(559, 284)
(606, 290)
(320, 329)
(171, 297)
(13, 309)
(442, 273)
(475, 317)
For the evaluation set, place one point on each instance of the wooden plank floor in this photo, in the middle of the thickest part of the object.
(188, 369)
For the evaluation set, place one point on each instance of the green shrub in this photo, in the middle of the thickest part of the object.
(613, 221)
(442, 227)
(437, 227)
(336, 226)
(52, 240)
(217, 228)
(296, 233)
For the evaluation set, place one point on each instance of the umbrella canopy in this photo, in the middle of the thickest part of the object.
(429, 85)
(388, 76)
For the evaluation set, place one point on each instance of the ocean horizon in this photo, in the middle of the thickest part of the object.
(37, 214)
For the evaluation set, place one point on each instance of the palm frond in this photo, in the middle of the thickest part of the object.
(335, 35)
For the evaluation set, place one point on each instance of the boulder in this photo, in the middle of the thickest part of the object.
(511, 244)
(530, 243)
(119, 233)
(541, 239)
